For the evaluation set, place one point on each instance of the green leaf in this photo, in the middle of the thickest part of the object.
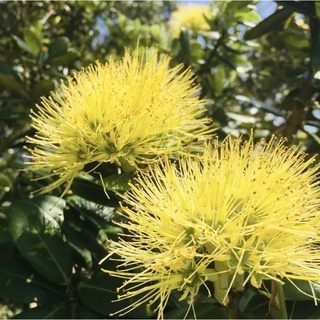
(51, 311)
(315, 54)
(271, 23)
(10, 82)
(185, 41)
(94, 192)
(24, 46)
(20, 283)
(42, 88)
(10, 78)
(58, 48)
(305, 7)
(202, 311)
(219, 77)
(34, 226)
(317, 4)
(99, 293)
(78, 232)
(245, 299)
(32, 41)
(295, 291)
(64, 59)
(118, 182)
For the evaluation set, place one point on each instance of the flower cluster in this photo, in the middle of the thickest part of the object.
(130, 112)
(241, 212)
(191, 17)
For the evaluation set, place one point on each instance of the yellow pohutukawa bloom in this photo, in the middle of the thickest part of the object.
(191, 17)
(241, 212)
(130, 112)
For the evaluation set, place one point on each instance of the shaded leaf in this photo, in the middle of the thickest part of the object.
(51, 311)
(64, 59)
(36, 231)
(202, 311)
(58, 48)
(295, 291)
(9, 78)
(315, 54)
(20, 283)
(99, 293)
(94, 192)
(305, 7)
(185, 41)
(42, 88)
(269, 24)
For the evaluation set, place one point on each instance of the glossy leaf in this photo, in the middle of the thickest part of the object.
(118, 182)
(94, 192)
(293, 291)
(20, 283)
(34, 226)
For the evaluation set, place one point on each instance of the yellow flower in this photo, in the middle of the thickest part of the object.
(130, 112)
(241, 212)
(191, 17)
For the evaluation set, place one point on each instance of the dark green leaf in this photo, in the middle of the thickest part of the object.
(58, 48)
(99, 293)
(51, 311)
(185, 41)
(245, 299)
(80, 235)
(36, 231)
(315, 54)
(202, 311)
(20, 283)
(295, 291)
(10, 82)
(271, 23)
(305, 7)
(94, 192)
(42, 88)
(64, 59)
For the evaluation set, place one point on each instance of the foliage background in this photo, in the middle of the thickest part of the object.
(254, 73)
